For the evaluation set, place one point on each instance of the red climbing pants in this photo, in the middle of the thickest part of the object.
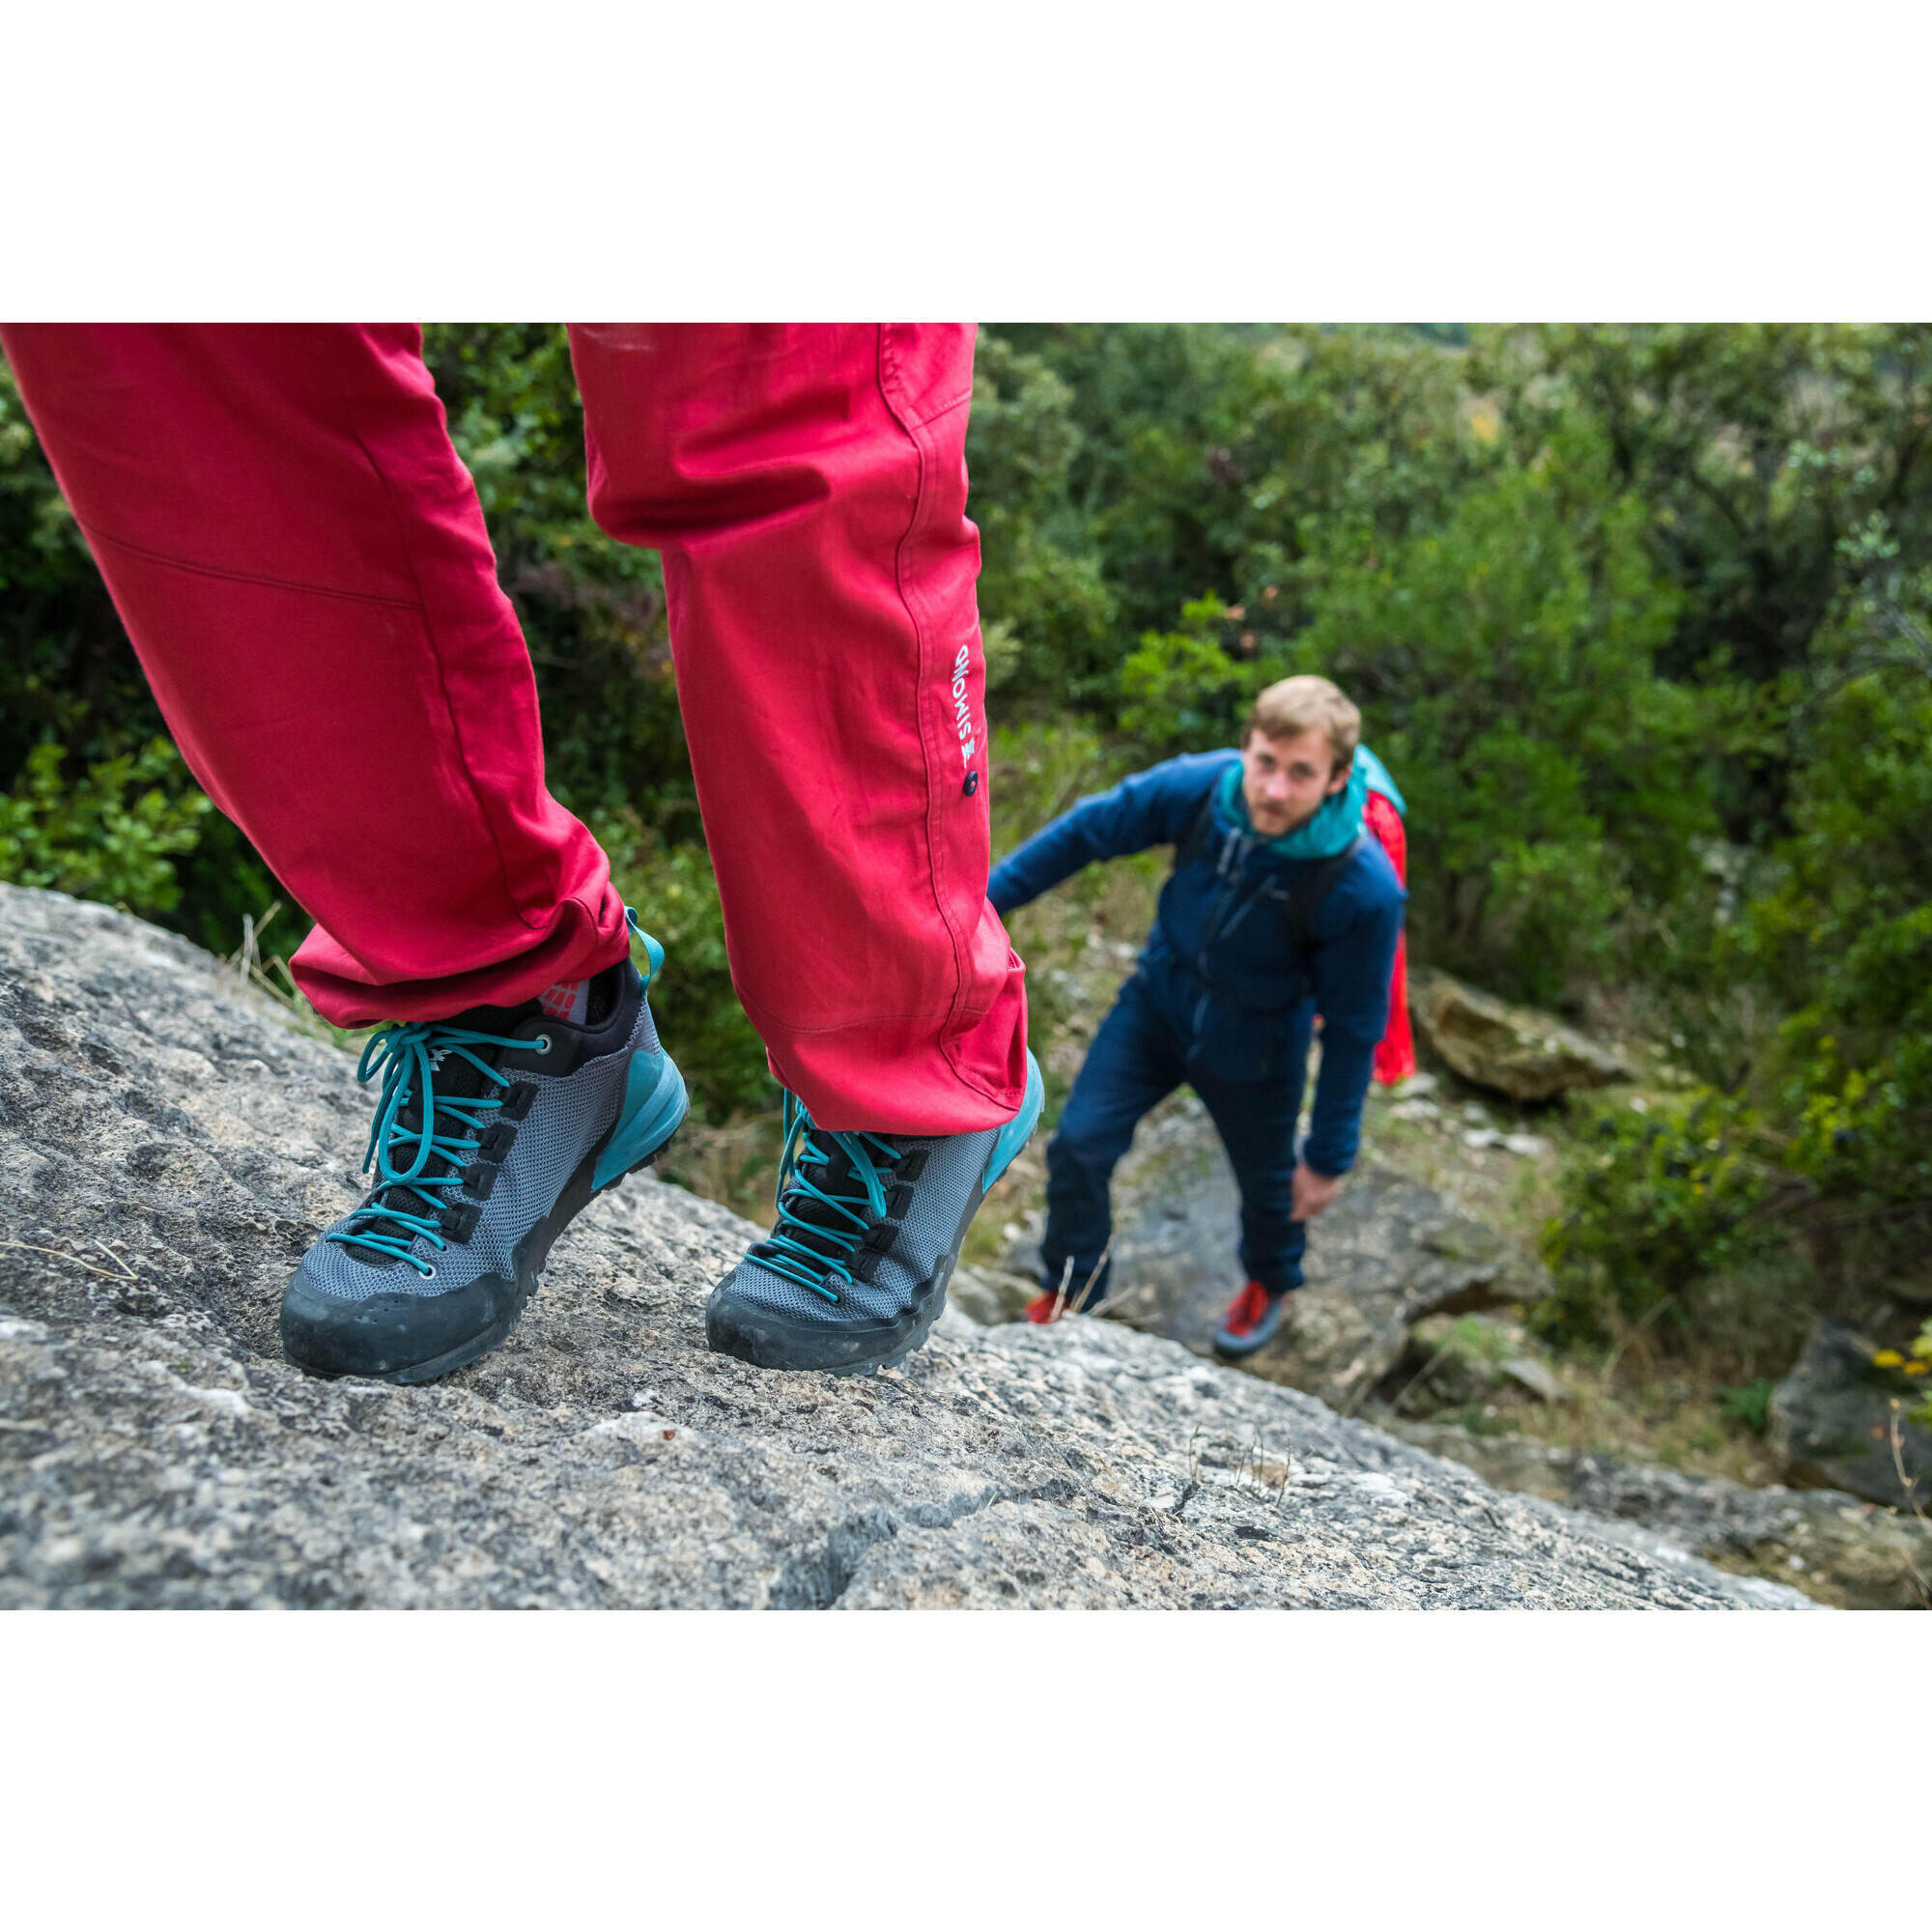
(299, 556)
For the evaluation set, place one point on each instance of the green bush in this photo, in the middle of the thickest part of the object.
(113, 835)
(1044, 604)
(1504, 661)
(1181, 691)
(1845, 940)
(1748, 1404)
(1666, 1201)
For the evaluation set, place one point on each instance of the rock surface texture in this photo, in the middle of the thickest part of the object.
(1836, 1548)
(1514, 1050)
(169, 1145)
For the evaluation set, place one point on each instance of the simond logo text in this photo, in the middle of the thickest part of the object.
(962, 713)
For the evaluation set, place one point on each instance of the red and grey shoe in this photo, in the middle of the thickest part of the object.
(1250, 1323)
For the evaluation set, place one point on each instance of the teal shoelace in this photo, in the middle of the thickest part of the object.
(818, 1230)
(406, 1056)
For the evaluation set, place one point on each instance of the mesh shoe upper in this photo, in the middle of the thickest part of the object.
(557, 1117)
(874, 1272)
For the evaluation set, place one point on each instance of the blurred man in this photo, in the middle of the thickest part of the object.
(1280, 904)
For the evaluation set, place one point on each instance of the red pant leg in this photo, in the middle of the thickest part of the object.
(298, 556)
(1395, 1054)
(806, 488)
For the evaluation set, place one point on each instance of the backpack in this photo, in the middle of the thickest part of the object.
(1304, 900)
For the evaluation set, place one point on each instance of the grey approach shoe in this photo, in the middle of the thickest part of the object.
(854, 1274)
(494, 1129)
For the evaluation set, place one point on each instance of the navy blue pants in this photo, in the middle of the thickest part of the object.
(1136, 1060)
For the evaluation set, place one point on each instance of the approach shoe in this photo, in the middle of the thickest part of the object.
(494, 1129)
(854, 1274)
(1251, 1321)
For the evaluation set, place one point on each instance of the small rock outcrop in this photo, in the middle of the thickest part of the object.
(169, 1145)
(1833, 1418)
(1389, 1252)
(1456, 1360)
(1509, 1049)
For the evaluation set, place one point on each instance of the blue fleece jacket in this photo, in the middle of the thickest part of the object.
(1218, 962)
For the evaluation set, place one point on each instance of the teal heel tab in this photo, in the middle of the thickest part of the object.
(653, 952)
(1017, 1131)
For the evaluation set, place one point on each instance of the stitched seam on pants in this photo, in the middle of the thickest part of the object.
(435, 651)
(921, 505)
(944, 408)
(97, 535)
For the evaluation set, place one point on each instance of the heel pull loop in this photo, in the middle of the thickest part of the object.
(654, 953)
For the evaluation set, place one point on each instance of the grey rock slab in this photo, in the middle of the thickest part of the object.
(169, 1144)
(1537, 1376)
(1836, 1548)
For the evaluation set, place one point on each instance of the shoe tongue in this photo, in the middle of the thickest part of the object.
(493, 1019)
(834, 1173)
(598, 997)
(454, 1077)
(844, 1168)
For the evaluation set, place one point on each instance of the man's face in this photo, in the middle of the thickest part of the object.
(1285, 780)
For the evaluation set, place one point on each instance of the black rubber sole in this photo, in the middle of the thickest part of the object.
(532, 1254)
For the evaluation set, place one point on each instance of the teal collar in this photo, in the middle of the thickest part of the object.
(1334, 827)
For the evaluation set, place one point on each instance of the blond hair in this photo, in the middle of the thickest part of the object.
(1298, 704)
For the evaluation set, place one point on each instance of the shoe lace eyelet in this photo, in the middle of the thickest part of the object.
(541, 1044)
(429, 1273)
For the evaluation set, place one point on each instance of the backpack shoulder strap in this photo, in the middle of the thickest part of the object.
(1198, 839)
(1310, 892)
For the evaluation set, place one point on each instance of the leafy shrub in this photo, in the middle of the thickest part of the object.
(1845, 940)
(1046, 608)
(1181, 691)
(1504, 662)
(1748, 1404)
(112, 836)
(1665, 1203)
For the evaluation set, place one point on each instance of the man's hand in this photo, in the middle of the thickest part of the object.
(1313, 1193)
